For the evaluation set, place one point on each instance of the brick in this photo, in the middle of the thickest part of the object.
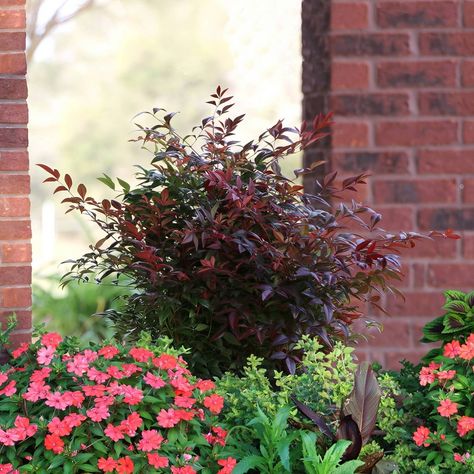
(14, 113)
(416, 304)
(393, 332)
(17, 338)
(447, 44)
(369, 104)
(14, 207)
(416, 74)
(11, 3)
(451, 275)
(15, 253)
(355, 162)
(354, 135)
(397, 218)
(15, 297)
(13, 63)
(467, 73)
(349, 16)
(13, 161)
(23, 318)
(349, 76)
(443, 103)
(415, 191)
(12, 41)
(468, 131)
(446, 218)
(15, 276)
(468, 191)
(411, 133)
(393, 358)
(13, 137)
(370, 44)
(12, 19)
(467, 245)
(13, 89)
(419, 275)
(14, 184)
(436, 248)
(15, 230)
(468, 13)
(451, 161)
(413, 14)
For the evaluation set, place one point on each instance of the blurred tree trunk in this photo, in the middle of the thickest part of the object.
(41, 21)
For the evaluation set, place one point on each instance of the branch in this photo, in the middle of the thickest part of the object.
(35, 35)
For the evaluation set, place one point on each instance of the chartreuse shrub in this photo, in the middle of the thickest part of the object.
(107, 408)
(329, 397)
(226, 255)
(435, 428)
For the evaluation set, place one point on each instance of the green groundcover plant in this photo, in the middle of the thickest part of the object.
(226, 255)
(107, 408)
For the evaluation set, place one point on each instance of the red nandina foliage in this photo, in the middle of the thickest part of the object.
(229, 257)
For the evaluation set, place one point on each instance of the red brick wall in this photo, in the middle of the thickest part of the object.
(399, 76)
(15, 229)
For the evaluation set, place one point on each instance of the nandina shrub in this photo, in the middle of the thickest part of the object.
(107, 408)
(226, 255)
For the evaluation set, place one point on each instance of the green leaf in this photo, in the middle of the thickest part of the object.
(58, 461)
(249, 462)
(88, 468)
(107, 180)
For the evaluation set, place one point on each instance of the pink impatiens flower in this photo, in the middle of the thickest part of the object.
(22, 348)
(114, 432)
(45, 355)
(107, 465)
(151, 439)
(167, 418)
(447, 408)
(108, 352)
(98, 413)
(51, 339)
(56, 400)
(227, 465)
(54, 443)
(465, 425)
(421, 436)
(451, 349)
(446, 374)
(153, 380)
(214, 402)
(36, 391)
(8, 437)
(157, 461)
(140, 354)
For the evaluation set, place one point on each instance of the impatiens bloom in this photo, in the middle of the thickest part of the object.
(182, 470)
(465, 425)
(132, 395)
(157, 461)
(184, 402)
(8, 437)
(427, 376)
(52, 339)
(447, 408)
(36, 391)
(107, 465)
(113, 432)
(45, 355)
(98, 413)
(421, 435)
(451, 349)
(23, 428)
(205, 385)
(74, 420)
(54, 443)
(23, 347)
(9, 389)
(108, 352)
(168, 418)
(140, 354)
(79, 365)
(214, 402)
(56, 400)
(58, 427)
(125, 465)
(151, 439)
(446, 374)
(466, 351)
(97, 376)
(461, 458)
(227, 465)
(131, 424)
(153, 380)
(8, 469)
(165, 361)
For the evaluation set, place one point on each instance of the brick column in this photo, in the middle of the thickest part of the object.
(15, 229)
(401, 81)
